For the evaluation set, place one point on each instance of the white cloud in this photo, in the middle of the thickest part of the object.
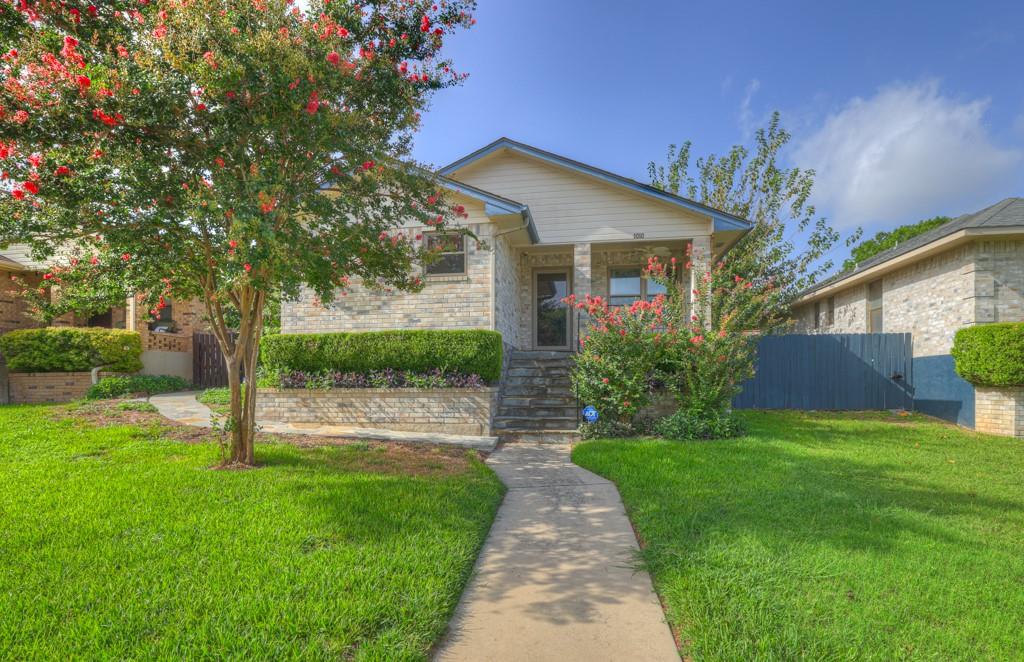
(747, 121)
(906, 152)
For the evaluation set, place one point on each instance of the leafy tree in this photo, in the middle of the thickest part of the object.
(223, 149)
(749, 182)
(887, 239)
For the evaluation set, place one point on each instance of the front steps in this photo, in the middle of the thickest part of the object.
(537, 402)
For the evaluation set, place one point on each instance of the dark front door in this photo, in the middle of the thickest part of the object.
(551, 314)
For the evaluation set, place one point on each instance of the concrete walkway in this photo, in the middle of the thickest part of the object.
(555, 579)
(183, 407)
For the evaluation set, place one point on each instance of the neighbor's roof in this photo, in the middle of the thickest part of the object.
(18, 257)
(723, 220)
(1005, 215)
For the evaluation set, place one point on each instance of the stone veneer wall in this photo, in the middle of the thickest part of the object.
(446, 302)
(37, 387)
(451, 410)
(509, 306)
(999, 410)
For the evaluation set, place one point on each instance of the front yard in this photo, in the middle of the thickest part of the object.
(831, 537)
(119, 542)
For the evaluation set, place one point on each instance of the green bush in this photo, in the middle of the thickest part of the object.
(72, 350)
(991, 354)
(690, 424)
(146, 385)
(468, 352)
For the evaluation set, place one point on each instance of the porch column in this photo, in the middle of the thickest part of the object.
(582, 262)
(700, 256)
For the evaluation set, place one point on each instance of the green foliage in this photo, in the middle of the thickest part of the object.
(887, 239)
(990, 354)
(136, 405)
(695, 424)
(136, 385)
(468, 352)
(216, 396)
(72, 350)
(750, 183)
(121, 544)
(792, 542)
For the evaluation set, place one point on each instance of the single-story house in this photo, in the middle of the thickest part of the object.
(967, 271)
(166, 342)
(549, 226)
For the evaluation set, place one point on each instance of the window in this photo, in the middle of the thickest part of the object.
(875, 307)
(451, 258)
(830, 320)
(817, 315)
(626, 285)
(164, 320)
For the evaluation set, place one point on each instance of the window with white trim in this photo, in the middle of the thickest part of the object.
(451, 258)
(629, 284)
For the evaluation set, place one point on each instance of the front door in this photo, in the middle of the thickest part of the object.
(551, 315)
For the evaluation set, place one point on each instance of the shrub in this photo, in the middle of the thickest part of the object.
(72, 350)
(991, 354)
(690, 424)
(470, 352)
(145, 385)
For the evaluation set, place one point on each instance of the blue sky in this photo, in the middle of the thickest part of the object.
(906, 110)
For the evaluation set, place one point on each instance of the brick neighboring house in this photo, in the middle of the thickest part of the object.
(965, 272)
(166, 343)
(552, 226)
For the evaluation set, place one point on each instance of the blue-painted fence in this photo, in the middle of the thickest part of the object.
(853, 371)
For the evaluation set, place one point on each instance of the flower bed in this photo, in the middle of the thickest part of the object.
(387, 378)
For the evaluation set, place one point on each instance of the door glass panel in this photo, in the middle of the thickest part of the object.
(552, 313)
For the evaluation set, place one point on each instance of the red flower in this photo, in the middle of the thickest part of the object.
(31, 187)
(233, 244)
(314, 102)
(200, 106)
(62, 171)
(94, 260)
(334, 58)
(425, 24)
(368, 165)
(160, 32)
(126, 256)
(247, 267)
(47, 276)
(342, 32)
(83, 83)
(605, 380)
(219, 161)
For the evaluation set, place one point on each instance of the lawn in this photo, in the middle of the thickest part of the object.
(831, 537)
(121, 542)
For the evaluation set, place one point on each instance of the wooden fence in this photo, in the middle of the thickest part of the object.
(208, 367)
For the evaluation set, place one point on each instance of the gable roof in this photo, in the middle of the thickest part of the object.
(723, 221)
(1007, 214)
(494, 205)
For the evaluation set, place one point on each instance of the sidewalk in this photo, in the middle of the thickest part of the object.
(555, 578)
(183, 407)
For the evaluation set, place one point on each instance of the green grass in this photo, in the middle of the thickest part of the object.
(218, 399)
(831, 537)
(117, 544)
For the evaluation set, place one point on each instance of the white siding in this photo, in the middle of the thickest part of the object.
(570, 207)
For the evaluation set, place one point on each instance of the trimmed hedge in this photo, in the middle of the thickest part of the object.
(990, 354)
(470, 352)
(146, 385)
(72, 350)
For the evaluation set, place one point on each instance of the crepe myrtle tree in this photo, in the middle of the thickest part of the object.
(223, 150)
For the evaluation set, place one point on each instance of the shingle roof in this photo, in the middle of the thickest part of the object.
(1008, 213)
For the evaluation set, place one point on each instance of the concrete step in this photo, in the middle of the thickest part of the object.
(537, 391)
(514, 436)
(561, 372)
(555, 382)
(505, 411)
(535, 423)
(540, 354)
(539, 401)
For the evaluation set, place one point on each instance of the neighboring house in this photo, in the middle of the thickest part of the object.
(166, 342)
(967, 271)
(551, 227)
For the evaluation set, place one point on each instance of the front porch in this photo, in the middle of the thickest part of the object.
(614, 271)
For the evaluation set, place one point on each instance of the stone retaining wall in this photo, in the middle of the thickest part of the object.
(36, 387)
(999, 410)
(450, 410)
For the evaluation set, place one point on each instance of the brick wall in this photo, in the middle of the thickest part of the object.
(188, 315)
(446, 302)
(38, 387)
(13, 311)
(999, 410)
(451, 411)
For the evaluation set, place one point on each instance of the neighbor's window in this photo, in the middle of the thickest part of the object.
(830, 320)
(164, 320)
(626, 285)
(875, 307)
(452, 254)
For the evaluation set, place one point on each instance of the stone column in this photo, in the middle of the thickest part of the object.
(582, 272)
(701, 257)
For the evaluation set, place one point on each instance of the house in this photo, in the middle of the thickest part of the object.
(549, 226)
(967, 271)
(166, 342)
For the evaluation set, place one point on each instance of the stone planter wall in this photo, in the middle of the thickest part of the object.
(449, 410)
(28, 388)
(999, 410)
